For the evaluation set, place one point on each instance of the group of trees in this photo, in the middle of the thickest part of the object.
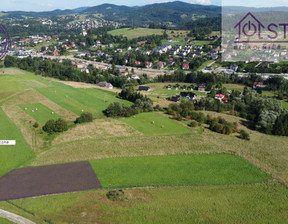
(60, 125)
(53, 126)
(141, 104)
(266, 113)
(184, 109)
(65, 71)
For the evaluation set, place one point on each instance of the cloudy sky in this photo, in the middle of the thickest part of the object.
(47, 5)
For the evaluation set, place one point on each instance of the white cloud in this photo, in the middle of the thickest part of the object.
(49, 5)
(202, 2)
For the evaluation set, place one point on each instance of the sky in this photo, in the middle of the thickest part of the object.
(48, 5)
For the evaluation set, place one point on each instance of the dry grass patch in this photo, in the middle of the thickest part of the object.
(25, 123)
(83, 85)
(127, 147)
(177, 33)
(11, 71)
(100, 128)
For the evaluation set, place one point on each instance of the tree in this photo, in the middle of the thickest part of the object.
(114, 110)
(60, 125)
(49, 127)
(52, 126)
(281, 125)
(186, 108)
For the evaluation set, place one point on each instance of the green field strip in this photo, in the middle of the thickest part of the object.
(39, 112)
(176, 170)
(156, 124)
(12, 157)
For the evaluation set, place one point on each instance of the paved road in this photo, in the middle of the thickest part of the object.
(15, 218)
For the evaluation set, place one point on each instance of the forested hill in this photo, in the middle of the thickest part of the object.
(161, 13)
(171, 12)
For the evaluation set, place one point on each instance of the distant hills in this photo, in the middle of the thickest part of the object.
(175, 13)
(171, 12)
(162, 13)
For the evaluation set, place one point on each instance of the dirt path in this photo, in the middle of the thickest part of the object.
(14, 218)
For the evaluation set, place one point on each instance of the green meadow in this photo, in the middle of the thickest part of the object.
(5, 221)
(9, 85)
(176, 170)
(132, 33)
(156, 124)
(249, 204)
(78, 100)
(39, 112)
(12, 157)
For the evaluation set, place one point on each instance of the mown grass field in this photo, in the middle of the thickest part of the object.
(251, 204)
(136, 32)
(156, 124)
(176, 170)
(12, 157)
(39, 112)
(9, 86)
(5, 221)
(76, 100)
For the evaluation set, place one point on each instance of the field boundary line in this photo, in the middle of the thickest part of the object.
(15, 94)
(15, 218)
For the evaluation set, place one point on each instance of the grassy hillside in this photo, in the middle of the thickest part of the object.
(176, 170)
(257, 204)
(140, 151)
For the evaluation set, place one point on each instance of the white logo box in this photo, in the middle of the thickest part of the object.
(7, 142)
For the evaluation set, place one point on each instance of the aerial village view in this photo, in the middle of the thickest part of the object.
(142, 111)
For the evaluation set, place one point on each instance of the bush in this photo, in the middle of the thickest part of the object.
(116, 195)
(52, 126)
(84, 117)
(220, 125)
(193, 124)
(35, 125)
(244, 135)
